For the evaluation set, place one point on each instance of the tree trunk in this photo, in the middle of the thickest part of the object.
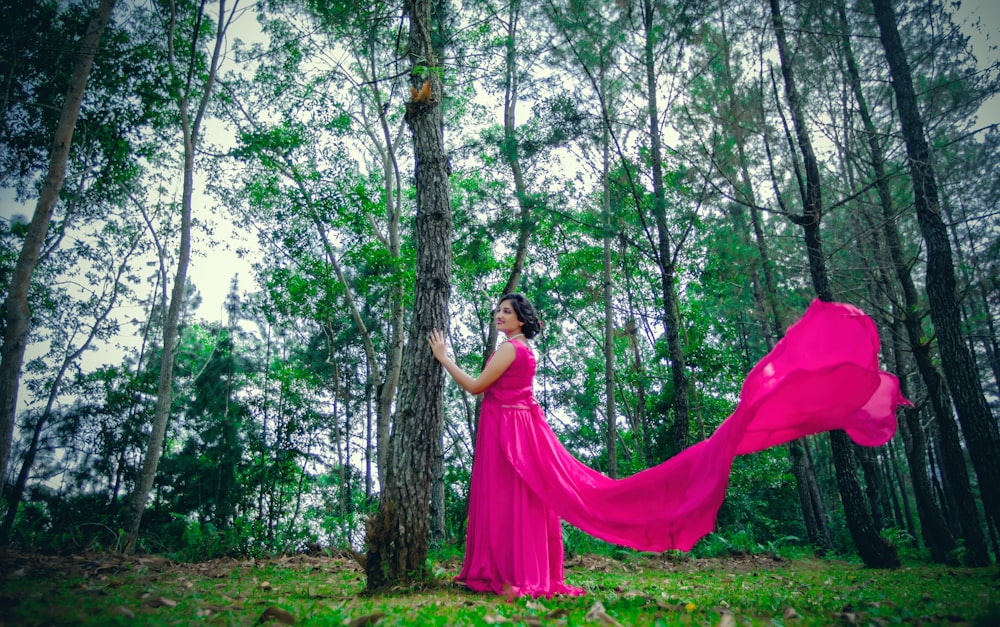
(525, 202)
(398, 535)
(874, 487)
(16, 313)
(982, 436)
(874, 551)
(510, 153)
(671, 318)
(611, 417)
(388, 385)
(369, 438)
(765, 297)
(933, 527)
(191, 130)
(911, 320)
(811, 490)
(639, 422)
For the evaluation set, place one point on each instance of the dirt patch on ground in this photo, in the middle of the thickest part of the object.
(38, 565)
(675, 562)
(92, 565)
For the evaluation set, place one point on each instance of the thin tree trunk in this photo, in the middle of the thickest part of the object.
(874, 487)
(971, 307)
(191, 129)
(765, 297)
(906, 521)
(338, 433)
(979, 307)
(398, 535)
(874, 551)
(16, 312)
(982, 436)
(264, 411)
(17, 492)
(369, 437)
(933, 526)
(611, 416)
(639, 421)
(388, 386)
(525, 202)
(810, 494)
(510, 153)
(664, 256)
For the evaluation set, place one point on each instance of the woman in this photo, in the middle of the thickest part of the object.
(823, 375)
(513, 540)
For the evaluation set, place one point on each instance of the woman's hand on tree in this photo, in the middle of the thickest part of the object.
(438, 346)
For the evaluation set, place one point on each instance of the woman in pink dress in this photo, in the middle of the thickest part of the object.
(823, 375)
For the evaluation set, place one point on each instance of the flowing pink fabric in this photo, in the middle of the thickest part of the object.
(823, 375)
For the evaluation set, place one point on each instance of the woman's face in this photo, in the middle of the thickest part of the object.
(507, 321)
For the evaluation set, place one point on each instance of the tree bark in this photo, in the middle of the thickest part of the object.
(874, 551)
(191, 132)
(765, 297)
(525, 203)
(929, 513)
(611, 417)
(982, 436)
(16, 312)
(398, 535)
(389, 384)
(664, 256)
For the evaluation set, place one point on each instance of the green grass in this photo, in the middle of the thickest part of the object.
(108, 589)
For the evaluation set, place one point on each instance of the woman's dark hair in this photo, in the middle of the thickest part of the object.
(525, 313)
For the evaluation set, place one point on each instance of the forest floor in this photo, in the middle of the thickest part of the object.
(641, 589)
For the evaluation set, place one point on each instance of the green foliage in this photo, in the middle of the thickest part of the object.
(743, 541)
(904, 543)
(456, 497)
(121, 106)
(200, 541)
(56, 523)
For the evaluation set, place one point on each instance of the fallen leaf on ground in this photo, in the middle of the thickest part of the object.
(121, 610)
(276, 613)
(791, 614)
(726, 619)
(364, 621)
(597, 613)
(848, 618)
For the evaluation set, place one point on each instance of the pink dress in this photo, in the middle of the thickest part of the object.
(823, 375)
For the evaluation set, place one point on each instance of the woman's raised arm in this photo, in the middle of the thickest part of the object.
(501, 360)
